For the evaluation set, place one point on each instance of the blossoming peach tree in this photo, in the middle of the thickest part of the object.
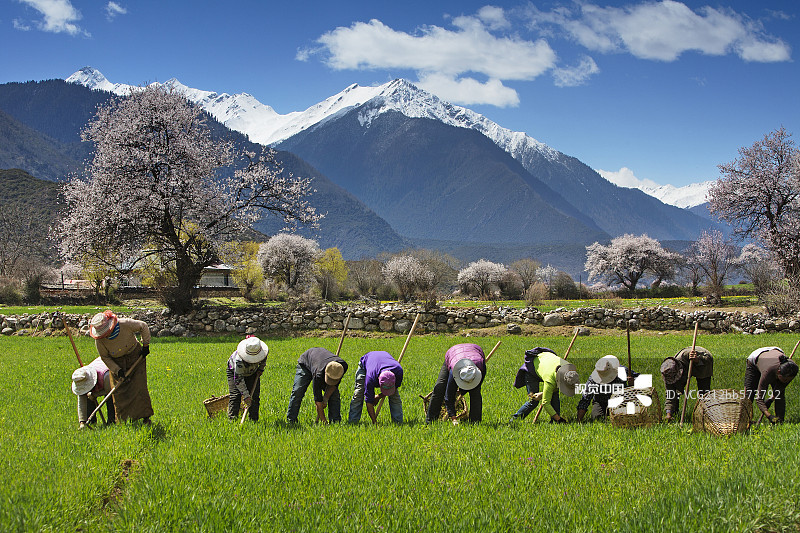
(160, 188)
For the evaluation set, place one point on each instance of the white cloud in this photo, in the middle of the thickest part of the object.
(59, 16)
(113, 9)
(494, 17)
(468, 91)
(577, 75)
(20, 25)
(624, 177)
(664, 30)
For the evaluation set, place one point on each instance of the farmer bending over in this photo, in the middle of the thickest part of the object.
(116, 342)
(464, 369)
(377, 370)
(245, 366)
(607, 375)
(542, 365)
(325, 370)
(674, 371)
(89, 383)
(769, 367)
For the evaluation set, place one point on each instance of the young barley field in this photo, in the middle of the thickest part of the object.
(189, 473)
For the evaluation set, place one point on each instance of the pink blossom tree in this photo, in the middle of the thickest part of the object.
(480, 276)
(409, 275)
(758, 194)
(627, 259)
(155, 187)
(716, 258)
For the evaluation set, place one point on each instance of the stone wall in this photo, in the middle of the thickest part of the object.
(396, 318)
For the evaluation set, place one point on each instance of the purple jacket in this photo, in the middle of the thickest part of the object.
(375, 363)
(527, 366)
(473, 352)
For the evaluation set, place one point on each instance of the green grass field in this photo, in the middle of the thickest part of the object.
(189, 473)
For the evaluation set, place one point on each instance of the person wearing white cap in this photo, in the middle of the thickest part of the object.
(608, 375)
(464, 368)
(88, 383)
(377, 370)
(116, 342)
(324, 369)
(542, 365)
(675, 370)
(245, 366)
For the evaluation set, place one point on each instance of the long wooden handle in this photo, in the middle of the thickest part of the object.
(402, 352)
(790, 356)
(628, 331)
(123, 380)
(569, 348)
(344, 332)
(689, 375)
(496, 346)
(247, 407)
(71, 340)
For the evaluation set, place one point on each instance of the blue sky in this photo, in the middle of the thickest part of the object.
(665, 89)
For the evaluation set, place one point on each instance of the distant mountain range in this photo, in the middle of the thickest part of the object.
(395, 166)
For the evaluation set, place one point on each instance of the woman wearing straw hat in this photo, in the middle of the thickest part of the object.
(464, 369)
(88, 383)
(325, 370)
(116, 342)
(675, 370)
(245, 366)
(608, 375)
(377, 370)
(542, 365)
(769, 367)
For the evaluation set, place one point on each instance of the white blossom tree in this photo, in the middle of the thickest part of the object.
(717, 258)
(288, 258)
(759, 195)
(408, 274)
(155, 187)
(480, 276)
(759, 266)
(626, 260)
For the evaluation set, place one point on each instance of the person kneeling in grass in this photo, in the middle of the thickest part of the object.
(377, 370)
(464, 369)
(769, 367)
(675, 370)
(89, 383)
(325, 370)
(116, 342)
(542, 365)
(608, 375)
(245, 366)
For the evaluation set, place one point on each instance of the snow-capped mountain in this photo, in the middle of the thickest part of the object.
(685, 197)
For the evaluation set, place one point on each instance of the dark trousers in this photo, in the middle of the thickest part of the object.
(445, 390)
(91, 405)
(532, 381)
(236, 396)
(752, 377)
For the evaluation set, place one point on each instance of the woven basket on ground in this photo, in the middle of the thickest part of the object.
(462, 410)
(722, 412)
(215, 404)
(642, 416)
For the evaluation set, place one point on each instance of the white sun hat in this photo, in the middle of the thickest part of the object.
(566, 378)
(467, 374)
(83, 380)
(252, 350)
(605, 369)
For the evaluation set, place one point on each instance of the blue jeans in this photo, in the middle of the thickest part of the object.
(357, 402)
(532, 384)
(302, 379)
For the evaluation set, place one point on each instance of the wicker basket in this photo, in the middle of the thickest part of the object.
(643, 416)
(215, 404)
(722, 412)
(462, 409)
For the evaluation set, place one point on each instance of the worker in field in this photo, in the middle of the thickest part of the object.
(675, 370)
(607, 378)
(323, 370)
(120, 349)
(245, 366)
(542, 365)
(769, 367)
(89, 383)
(464, 369)
(377, 370)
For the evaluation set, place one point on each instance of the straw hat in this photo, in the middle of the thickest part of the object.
(102, 324)
(386, 380)
(467, 374)
(333, 373)
(567, 377)
(252, 350)
(605, 369)
(83, 380)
